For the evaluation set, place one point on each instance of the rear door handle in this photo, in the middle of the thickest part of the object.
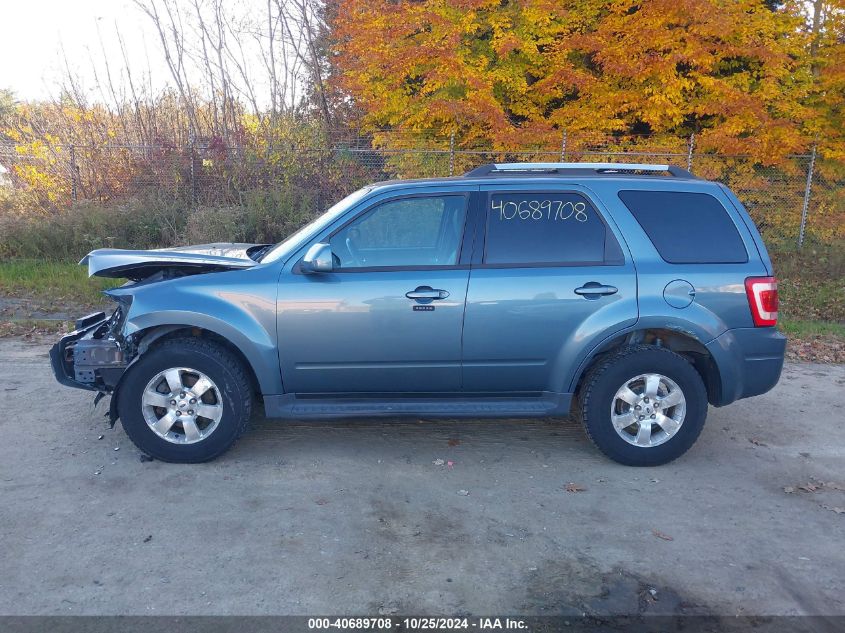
(594, 290)
(427, 293)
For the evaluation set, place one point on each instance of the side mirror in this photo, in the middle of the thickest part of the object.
(318, 259)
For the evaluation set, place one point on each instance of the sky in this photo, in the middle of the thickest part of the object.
(33, 32)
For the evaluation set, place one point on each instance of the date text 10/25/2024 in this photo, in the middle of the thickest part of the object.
(418, 624)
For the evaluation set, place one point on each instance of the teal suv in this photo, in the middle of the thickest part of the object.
(630, 296)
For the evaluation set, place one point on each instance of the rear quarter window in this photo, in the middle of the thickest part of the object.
(687, 228)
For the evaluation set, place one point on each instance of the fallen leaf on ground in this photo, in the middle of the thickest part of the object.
(454, 442)
(756, 442)
(661, 535)
(816, 348)
(322, 502)
(573, 487)
(789, 489)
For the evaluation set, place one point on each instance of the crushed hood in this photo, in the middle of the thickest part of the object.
(136, 265)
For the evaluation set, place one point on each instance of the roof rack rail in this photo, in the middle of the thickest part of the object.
(492, 169)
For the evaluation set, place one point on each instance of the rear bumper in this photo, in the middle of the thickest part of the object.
(749, 360)
(86, 358)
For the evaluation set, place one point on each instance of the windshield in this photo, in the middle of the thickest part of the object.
(286, 247)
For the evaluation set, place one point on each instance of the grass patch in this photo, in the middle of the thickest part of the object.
(52, 283)
(807, 329)
(811, 283)
(814, 341)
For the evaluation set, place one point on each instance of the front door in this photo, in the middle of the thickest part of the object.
(388, 318)
(550, 276)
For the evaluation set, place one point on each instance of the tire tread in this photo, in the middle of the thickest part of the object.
(596, 372)
(216, 352)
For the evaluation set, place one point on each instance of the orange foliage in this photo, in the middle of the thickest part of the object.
(510, 75)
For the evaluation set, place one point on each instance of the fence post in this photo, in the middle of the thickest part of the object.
(563, 147)
(194, 195)
(452, 154)
(74, 193)
(806, 206)
(690, 148)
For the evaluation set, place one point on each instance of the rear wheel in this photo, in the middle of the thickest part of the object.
(186, 400)
(643, 406)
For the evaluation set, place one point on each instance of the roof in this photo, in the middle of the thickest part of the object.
(568, 169)
(519, 171)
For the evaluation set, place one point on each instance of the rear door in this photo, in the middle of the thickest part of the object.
(550, 277)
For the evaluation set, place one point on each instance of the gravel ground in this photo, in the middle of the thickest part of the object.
(409, 516)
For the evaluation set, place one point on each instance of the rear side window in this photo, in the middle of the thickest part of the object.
(545, 228)
(687, 228)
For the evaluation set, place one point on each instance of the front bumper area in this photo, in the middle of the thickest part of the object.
(88, 357)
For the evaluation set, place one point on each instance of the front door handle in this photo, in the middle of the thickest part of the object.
(594, 290)
(426, 293)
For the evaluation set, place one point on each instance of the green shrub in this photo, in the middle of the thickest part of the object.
(70, 234)
(262, 215)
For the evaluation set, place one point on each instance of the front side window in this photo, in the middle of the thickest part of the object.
(543, 228)
(419, 231)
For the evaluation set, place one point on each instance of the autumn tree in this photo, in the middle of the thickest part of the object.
(825, 34)
(512, 74)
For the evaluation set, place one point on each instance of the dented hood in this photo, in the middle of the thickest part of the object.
(117, 262)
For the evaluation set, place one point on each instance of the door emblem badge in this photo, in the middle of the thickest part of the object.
(423, 308)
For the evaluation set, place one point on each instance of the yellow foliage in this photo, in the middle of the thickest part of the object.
(507, 75)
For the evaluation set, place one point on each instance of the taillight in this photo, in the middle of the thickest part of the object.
(763, 300)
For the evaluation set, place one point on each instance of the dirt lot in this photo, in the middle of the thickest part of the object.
(421, 517)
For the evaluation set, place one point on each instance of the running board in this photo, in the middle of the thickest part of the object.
(299, 407)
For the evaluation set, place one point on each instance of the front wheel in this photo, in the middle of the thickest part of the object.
(643, 406)
(186, 400)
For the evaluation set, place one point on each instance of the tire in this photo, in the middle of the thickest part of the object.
(635, 367)
(161, 431)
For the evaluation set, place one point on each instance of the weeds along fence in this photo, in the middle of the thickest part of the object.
(273, 189)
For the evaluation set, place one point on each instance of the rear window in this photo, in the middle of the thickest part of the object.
(687, 228)
(546, 228)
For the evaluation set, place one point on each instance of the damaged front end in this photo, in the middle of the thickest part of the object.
(93, 356)
(100, 350)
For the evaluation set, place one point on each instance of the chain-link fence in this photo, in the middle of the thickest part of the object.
(792, 202)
